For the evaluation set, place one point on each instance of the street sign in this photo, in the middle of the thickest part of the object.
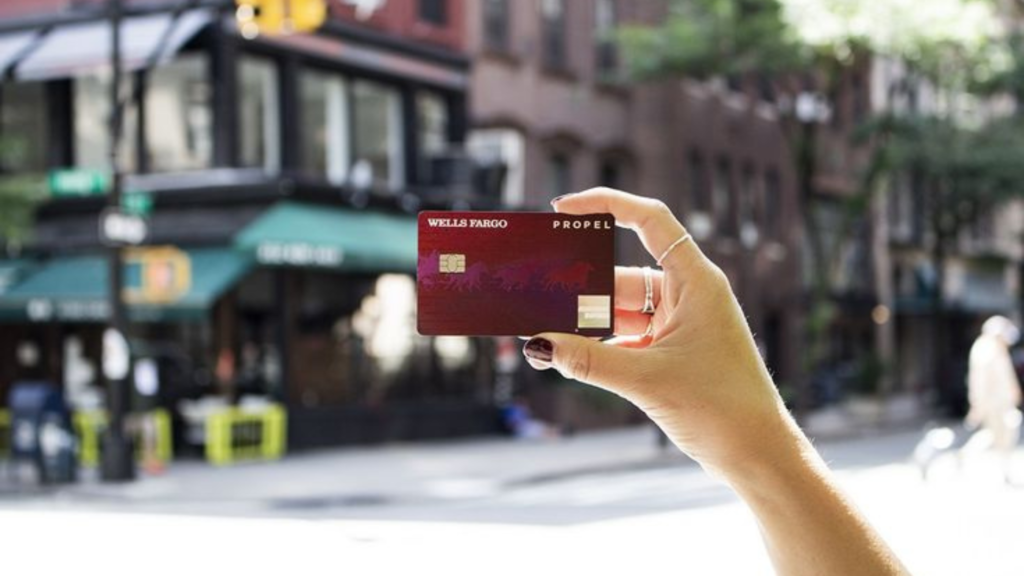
(118, 228)
(157, 275)
(137, 203)
(76, 182)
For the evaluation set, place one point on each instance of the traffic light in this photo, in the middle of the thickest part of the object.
(307, 15)
(257, 17)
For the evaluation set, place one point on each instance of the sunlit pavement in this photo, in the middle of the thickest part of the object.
(651, 515)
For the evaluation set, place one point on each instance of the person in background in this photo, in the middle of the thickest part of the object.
(993, 392)
(693, 367)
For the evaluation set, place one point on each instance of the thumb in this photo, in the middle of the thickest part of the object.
(584, 359)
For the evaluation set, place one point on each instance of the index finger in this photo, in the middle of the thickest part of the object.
(651, 219)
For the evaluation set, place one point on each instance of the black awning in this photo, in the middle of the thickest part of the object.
(72, 49)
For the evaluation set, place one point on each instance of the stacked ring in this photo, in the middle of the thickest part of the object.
(648, 291)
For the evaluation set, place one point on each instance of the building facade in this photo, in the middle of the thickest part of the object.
(285, 172)
(550, 98)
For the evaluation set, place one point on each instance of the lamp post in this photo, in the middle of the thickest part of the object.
(118, 464)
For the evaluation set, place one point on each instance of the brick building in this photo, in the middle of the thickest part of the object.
(548, 96)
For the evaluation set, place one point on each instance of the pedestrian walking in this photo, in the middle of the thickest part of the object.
(994, 392)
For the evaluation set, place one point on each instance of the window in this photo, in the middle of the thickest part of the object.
(699, 198)
(772, 202)
(434, 11)
(258, 121)
(325, 132)
(610, 174)
(747, 207)
(605, 20)
(92, 125)
(860, 98)
(553, 32)
(179, 123)
(559, 174)
(432, 115)
(496, 25)
(377, 138)
(723, 196)
(505, 145)
(23, 127)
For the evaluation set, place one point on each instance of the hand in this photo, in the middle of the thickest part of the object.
(697, 373)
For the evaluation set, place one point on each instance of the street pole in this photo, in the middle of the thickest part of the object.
(118, 463)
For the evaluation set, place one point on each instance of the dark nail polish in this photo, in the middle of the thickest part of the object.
(563, 196)
(539, 349)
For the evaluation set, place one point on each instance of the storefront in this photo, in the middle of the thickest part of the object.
(286, 172)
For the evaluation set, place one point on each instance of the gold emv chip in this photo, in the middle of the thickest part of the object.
(453, 263)
(594, 312)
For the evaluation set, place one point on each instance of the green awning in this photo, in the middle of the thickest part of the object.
(306, 235)
(74, 289)
(12, 271)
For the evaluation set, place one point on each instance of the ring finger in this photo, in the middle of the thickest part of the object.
(631, 289)
(632, 323)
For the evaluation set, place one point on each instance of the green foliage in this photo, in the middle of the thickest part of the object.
(702, 38)
(948, 41)
(19, 196)
(966, 170)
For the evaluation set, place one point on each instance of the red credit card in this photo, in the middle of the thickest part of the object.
(515, 273)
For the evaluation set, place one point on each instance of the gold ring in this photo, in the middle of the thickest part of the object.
(648, 291)
(672, 247)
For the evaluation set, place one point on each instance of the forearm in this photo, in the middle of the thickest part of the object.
(808, 525)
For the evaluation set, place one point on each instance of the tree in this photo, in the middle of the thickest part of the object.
(965, 171)
(821, 40)
(19, 196)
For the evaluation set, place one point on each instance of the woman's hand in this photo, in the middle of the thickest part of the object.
(696, 372)
(698, 375)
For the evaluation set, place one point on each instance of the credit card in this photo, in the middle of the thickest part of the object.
(515, 273)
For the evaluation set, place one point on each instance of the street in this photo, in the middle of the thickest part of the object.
(602, 503)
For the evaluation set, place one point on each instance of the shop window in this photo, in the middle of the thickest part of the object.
(723, 196)
(23, 127)
(432, 116)
(434, 12)
(605, 20)
(553, 31)
(92, 124)
(179, 122)
(507, 146)
(559, 174)
(377, 146)
(259, 115)
(324, 125)
(496, 25)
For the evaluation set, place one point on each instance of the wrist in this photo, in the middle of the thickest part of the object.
(770, 463)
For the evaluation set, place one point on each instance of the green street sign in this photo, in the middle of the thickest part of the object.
(74, 182)
(137, 203)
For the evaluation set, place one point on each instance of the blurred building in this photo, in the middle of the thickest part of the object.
(935, 319)
(549, 99)
(286, 171)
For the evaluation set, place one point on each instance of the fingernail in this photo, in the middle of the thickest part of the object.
(539, 349)
(563, 197)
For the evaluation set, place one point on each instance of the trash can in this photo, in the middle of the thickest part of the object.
(41, 432)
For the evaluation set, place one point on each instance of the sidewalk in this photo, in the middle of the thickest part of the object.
(406, 474)
(376, 475)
